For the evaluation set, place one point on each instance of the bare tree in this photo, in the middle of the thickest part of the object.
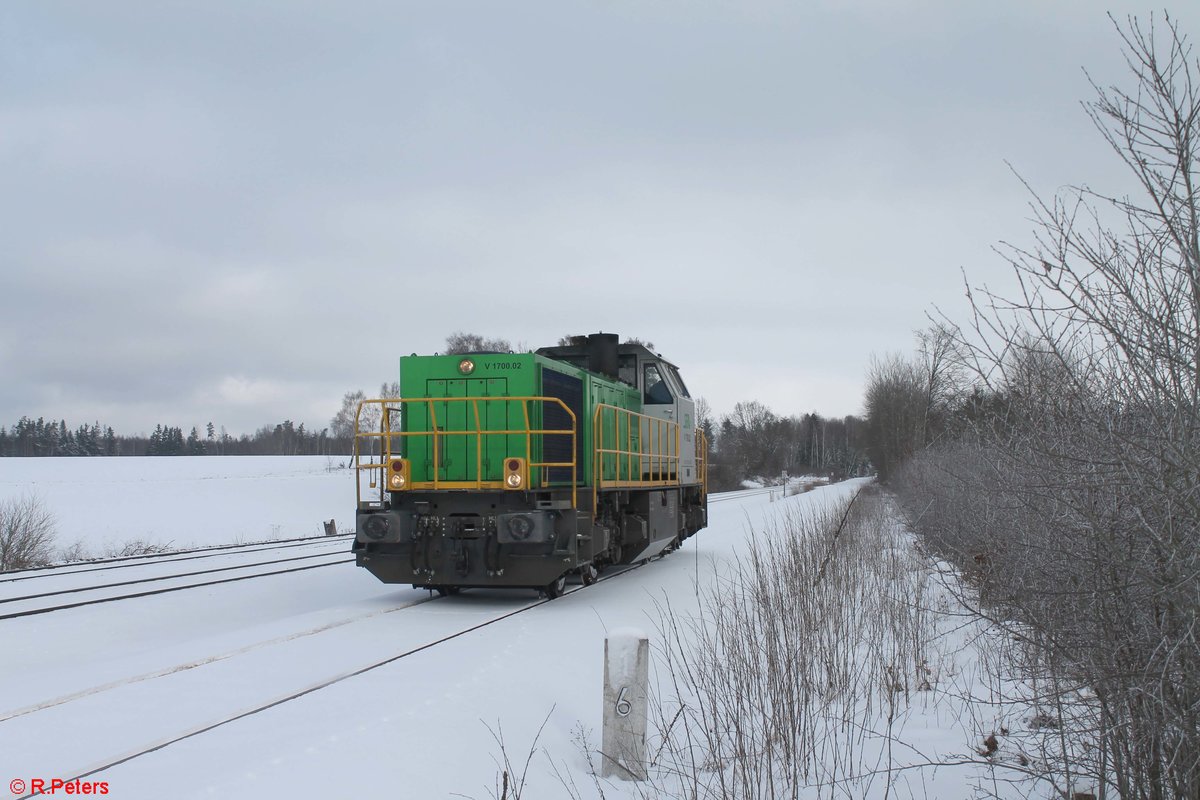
(342, 424)
(750, 441)
(908, 402)
(1076, 493)
(943, 376)
(646, 343)
(369, 419)
(27, 532)
(461, 342)
(897, 410)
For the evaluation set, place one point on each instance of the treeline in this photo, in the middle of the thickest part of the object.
(42, 438)
(1051, 449)
(754, 442)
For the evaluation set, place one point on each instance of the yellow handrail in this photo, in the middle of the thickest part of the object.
(662, 454)
(386, 435)
(657, 447)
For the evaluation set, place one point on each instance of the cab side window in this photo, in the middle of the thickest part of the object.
(655, 390)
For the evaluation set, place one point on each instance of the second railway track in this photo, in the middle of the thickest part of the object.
(28, 605)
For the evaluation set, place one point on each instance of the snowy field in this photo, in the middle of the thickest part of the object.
(184, 502)
(147, 694)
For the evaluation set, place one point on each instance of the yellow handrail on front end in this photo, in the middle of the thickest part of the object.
(385, 435)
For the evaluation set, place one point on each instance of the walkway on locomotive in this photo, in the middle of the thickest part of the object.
(539, 440)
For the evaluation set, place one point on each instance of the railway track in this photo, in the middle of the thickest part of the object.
(214, 551)
(91, 691)
(17, 610)
(126, 562)
(315, 653)
(742, 494)
(22, 605)
(308, 689)
(358, 617)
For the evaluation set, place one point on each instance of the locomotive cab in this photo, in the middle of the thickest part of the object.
(665, 396)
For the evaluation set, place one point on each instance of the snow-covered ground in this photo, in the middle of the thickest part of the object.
(84, 688)
(184, 502)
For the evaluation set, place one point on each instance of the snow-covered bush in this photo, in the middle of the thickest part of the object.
(26, 533)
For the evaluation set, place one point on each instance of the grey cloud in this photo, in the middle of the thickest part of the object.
(238, 213)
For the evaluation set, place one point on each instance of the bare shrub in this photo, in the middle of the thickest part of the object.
(1071, 493)
(798, 664)
(136, 547)
(76, 551)
(27, 530)
(511, 784)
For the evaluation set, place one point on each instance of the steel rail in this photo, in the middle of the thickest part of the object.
(97, 601)
(155, 579)
(61, 570)
(166, 556)
(737, 495)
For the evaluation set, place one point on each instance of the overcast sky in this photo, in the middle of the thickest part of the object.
(236, 212)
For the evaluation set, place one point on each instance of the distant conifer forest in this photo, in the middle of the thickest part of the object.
(46, 438)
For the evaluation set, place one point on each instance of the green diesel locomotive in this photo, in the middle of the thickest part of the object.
(520, 469)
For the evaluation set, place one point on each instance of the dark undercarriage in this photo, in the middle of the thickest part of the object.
(448, 540)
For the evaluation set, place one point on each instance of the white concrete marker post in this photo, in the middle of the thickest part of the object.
(626, 691)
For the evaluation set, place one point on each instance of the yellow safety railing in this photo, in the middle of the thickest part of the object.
(702, 463)
(386, 434)
(651, 458)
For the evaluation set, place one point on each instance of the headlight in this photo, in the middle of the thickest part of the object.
(397, 474)
(466, 366)
(514, 473)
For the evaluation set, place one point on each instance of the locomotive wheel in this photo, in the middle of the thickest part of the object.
(589, 574)
(443, 591)
(555, 587)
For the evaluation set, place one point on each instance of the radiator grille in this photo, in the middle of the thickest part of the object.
(569, 389)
